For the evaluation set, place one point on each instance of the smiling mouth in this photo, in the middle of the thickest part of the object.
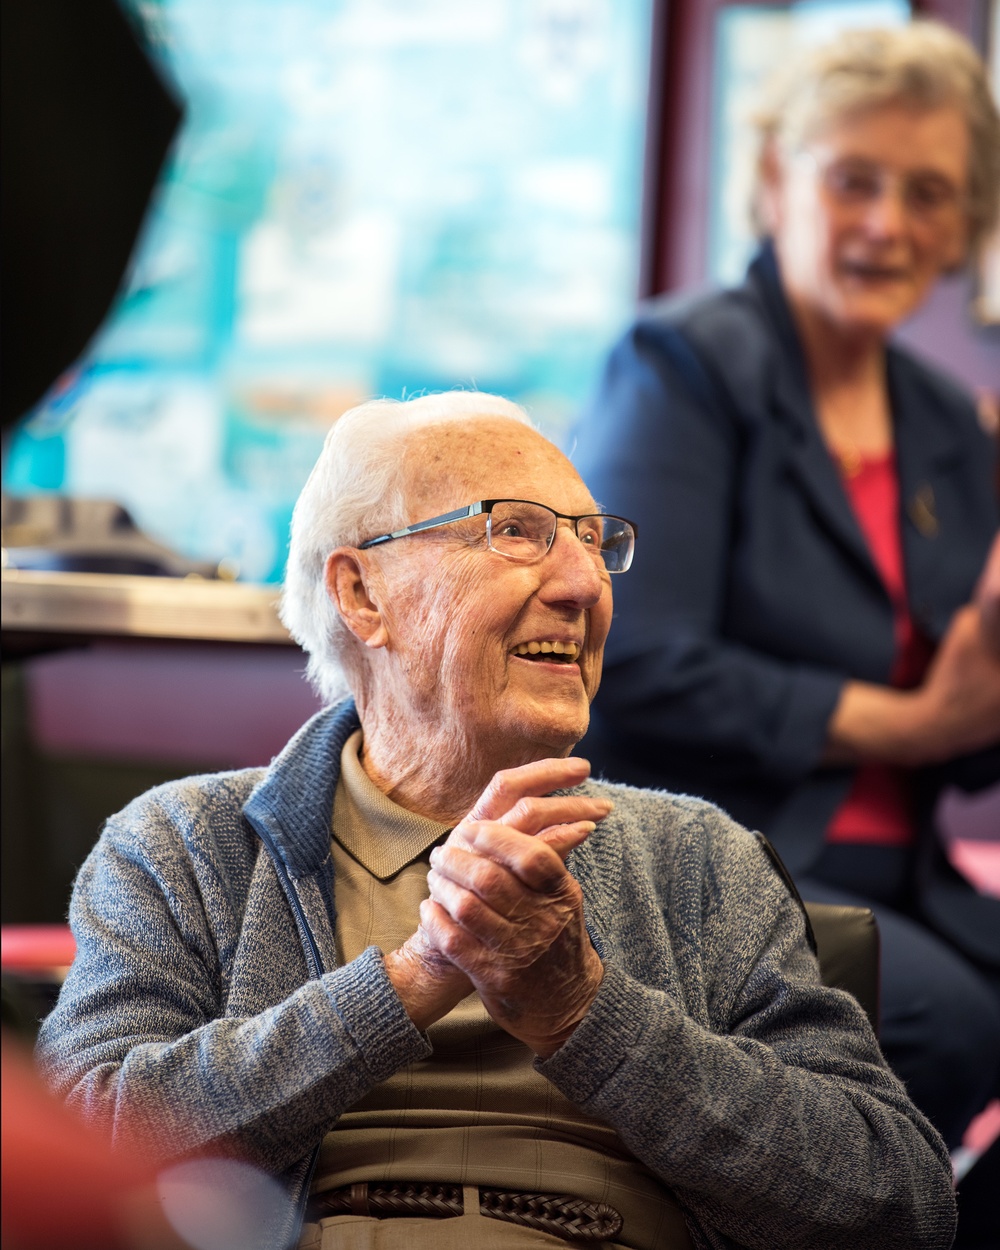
(551, 652)
(873, 273)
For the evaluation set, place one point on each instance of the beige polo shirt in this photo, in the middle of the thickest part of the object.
(475, 1112)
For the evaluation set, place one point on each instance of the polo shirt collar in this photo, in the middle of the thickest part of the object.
(382, 836)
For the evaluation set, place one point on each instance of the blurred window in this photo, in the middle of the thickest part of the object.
(369, 197)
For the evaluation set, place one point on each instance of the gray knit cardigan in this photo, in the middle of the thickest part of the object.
(207, 1006)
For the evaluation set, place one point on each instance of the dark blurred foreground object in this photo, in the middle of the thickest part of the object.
(55, 533)
(86, 124)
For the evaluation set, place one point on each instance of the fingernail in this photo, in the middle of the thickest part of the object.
(588, 825)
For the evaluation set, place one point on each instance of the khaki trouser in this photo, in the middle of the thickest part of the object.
(470, 1231)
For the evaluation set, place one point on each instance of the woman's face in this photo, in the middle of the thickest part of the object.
(866, 216)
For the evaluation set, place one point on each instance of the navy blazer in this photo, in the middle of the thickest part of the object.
(753, 596)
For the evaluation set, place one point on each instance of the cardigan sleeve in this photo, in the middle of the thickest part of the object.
(775, 1121)
(659, 444)
(140, 1041)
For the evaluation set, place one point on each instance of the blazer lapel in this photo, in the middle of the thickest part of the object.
(817, 474)
(927, 445)
(807, 454)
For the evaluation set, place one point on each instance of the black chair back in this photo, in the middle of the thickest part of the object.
(847, 947)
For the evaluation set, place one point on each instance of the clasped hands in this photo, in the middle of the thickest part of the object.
(505, 916)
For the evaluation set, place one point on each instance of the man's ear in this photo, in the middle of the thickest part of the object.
(348, 583)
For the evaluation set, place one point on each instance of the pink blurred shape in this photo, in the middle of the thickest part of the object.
(984, 1129)
(36, 947)
(978, 862)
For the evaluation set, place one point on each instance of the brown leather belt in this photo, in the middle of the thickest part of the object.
(574, 1219)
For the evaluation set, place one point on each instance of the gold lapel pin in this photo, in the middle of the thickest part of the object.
(921, 511)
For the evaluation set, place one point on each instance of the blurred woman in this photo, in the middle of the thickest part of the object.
(799, 642)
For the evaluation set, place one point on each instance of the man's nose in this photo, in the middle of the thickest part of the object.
(574, 573)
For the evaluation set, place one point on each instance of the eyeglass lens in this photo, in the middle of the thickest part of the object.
(525, 531)
(859, 182)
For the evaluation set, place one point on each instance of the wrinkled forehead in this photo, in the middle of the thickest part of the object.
(454, 463)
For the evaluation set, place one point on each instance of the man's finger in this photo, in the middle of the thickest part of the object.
(537, 778)
(566, 838)
(467, 909)
(531, 860)
(494, 883)
(532, 815)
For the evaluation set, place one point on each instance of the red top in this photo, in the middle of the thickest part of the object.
(877, 809)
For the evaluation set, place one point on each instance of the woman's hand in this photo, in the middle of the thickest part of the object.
(546, 827)
(987, 598)
(504, 908)
(954, 711)
(958, 705)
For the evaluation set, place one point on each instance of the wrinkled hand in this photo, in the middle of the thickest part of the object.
(504, 908)
(959, 701)
(422, 971)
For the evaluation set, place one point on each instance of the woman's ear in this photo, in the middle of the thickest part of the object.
(770, 188)
(348, 583)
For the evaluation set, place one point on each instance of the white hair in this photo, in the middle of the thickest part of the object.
(357, 490)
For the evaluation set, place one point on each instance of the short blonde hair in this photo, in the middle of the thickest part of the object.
(922, 65)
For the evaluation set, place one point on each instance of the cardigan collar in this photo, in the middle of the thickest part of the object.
(294, 800)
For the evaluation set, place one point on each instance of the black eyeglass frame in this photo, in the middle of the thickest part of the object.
(485, 507)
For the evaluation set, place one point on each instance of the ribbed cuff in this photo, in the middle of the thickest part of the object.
(602, 1040)
(372, 1013)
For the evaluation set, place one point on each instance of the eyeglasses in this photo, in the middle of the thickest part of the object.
(525, 531)
(859, 183)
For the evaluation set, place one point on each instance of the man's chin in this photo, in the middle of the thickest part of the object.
(559, 737)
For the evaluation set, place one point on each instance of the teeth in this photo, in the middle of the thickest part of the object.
(569, 649)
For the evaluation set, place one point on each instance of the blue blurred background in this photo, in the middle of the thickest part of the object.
(368, 197)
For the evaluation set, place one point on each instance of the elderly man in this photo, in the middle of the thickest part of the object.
(451, 992)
